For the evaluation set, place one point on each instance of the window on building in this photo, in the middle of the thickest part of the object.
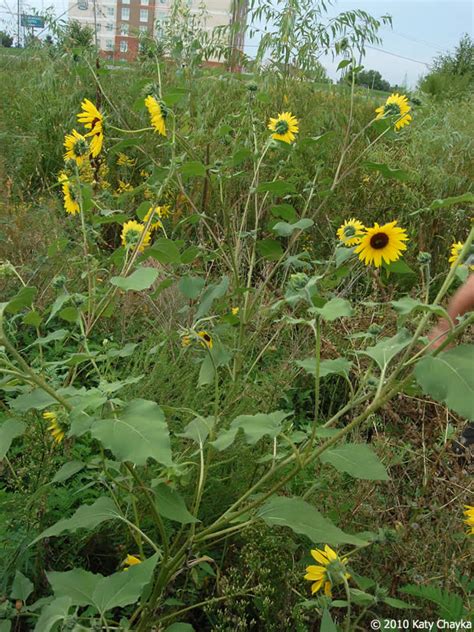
(163, 2)
(109, 44)
(123, 46)
(83, 5)
(125, 13)
(144, 2)
(109, 26)
(143, 15)
(99, 26)
(125, 1)
(110, 11)
(124, 29)
(143, 28)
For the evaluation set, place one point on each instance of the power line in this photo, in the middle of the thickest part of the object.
(387, 52)
(437, 47)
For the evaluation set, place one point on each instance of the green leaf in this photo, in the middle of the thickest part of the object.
(283, 229)
(60, 300)
(207, 371)
(9, 429)
(24, 298)
(343, 254)
(54, 336)
(450, 605)
(361, 598)
(387, 348)
(327, 624)
(193, 168)
(198, 429)
(269, 249)
(69, 314)
(179, 626)
(121, 589)
(304, 519)
(139, 432)
(387, 172)
(285, 212)
(56, 611)
(67, 470)
(449, 378)
(358, 460)
(5, 626)
(398, 267)
(37, 399)
(240, 156)
(277, 187)
(171, 505)
(335, 308)
(164, 250)
(254, 427)
(465, 198)
(190, 254)
(406, 305)
(191, 287)
(22, 587)
(86, 517)
(398, 603)
(343, 63)
(213, 292)
(33, 318)
(141, 279)
(124, 352)
(340, 366)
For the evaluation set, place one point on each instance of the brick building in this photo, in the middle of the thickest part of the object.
(118, 23)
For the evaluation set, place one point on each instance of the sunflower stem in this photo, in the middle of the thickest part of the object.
(348, 613)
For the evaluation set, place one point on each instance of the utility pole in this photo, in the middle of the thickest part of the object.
(95, 23)
(18, 24)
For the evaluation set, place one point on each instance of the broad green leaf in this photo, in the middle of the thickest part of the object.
(22, 299)
(164, 250)
(343, 254)
(304, 519)
(190, 254)
(216, 357)
(449, 378)
(285, 212)
(283, 229)
(54, 336)
(67, 470)
(139, 432)
(387, 172)
(179, 626)
(406, 305)
(5, 626)
(58, 304)
(9, 429)
(191, 287)
(239, 156)
(213, 292)
(69, 314)
(340, 366)
(399, 604)
(141, 279)
(198, 429)
(22, 587)
(37, 399)
(207, 371)
(278, 187)
(387, 348)
(361, 598)
(193, 168)
(465, 198)
(86, 517)
(398, 267)
(327, 624)
(56, 611)
(171, 505)
(254, 427)
(343, 64)
(33, 318)
(450, 605)
(124, 352)
(269, 249)
(335, 308)
(358, 460)
(104, 593)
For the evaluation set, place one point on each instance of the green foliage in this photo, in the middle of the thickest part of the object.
(449, 605)
(452, 74)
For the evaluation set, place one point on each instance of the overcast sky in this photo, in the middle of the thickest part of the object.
(421, 30)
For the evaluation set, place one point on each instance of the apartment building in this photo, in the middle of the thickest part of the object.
(118, 23)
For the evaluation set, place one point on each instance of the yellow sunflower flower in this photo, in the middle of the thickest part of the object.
(469, 520)
(157, 114)
(124, 161)
(132, 233)
(130, 560)
(331, 569)
(284, 127)
(56, 429)
(351, 232)
(206, 339)
(76, 147)
(235, 311)
(381, 243)
(93, 120)
(153, 211)
(396, 106)
(123, 187)
(71, 205)
(185, 341)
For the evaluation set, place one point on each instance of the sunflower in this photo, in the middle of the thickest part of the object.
(396, 105)
(381, 243)
(235, 311)
(153, 211)
(124, 187)
(76, 147)
(92, 120)
(284, 127)
(206, 339)
(71, 204)
(469, 519)
(330, 570)
(130, 560)
(132, 233)
(185, 341)
(56, 429)
(351, 232)
(157, 114)
(124, 161)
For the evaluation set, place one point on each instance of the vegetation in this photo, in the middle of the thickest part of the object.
(452, 74)
(219, 407)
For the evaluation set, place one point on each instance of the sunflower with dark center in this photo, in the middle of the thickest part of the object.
(284, 127)
(76, 146)
(351, 232)
(206, 339)
(92, 120)
(158, 114)
(396, 106)
(132, 234)
(382, 243)
(71, 204)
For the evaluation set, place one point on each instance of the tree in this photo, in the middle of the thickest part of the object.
(372, 79)
(6, 40)
(452, 74)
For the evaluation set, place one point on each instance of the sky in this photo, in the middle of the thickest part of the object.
(421, 30)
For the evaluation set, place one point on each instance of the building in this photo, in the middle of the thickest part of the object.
(119, 23)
